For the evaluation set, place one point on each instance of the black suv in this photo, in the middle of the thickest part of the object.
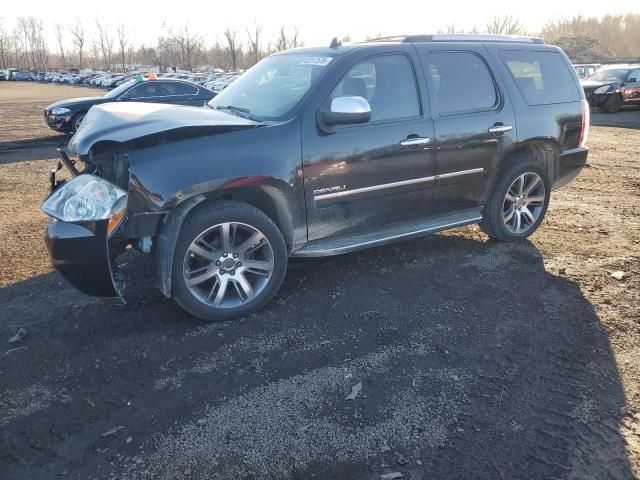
(316, 152)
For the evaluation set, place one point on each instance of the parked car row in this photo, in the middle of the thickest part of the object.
(216, 80)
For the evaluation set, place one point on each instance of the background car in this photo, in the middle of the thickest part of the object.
(66, 115)
(610, 89)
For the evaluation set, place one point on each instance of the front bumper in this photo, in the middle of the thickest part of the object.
(80, 253)
(570, 163)
(58, 122)
(598, 100)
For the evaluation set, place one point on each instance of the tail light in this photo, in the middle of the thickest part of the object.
(586, 120)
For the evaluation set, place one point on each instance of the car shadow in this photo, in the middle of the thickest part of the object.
(627, 117)
(472, 358)
(41, 148)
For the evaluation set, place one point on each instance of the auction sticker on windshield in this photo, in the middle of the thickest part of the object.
(320, 61)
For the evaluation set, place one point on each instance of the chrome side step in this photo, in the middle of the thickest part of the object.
(339, 244)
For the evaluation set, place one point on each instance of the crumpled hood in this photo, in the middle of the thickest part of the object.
(592, 84)
(125, 121)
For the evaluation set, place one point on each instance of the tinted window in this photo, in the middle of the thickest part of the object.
(387, 82)
(462, 82)
(180, 88)
(542, 77)
(147, 90)
(634, 74)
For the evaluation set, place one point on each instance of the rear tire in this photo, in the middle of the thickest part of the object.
(518, 203)
(229, 261)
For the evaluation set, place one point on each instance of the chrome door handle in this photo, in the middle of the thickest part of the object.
(500, 128)
(408, 142)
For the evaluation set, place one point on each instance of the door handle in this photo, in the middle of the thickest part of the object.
(412, 141)
(499, 128)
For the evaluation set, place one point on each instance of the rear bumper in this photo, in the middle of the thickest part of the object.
(570, 163)
(80, 253)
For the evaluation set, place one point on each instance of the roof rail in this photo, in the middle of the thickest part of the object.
(459, 37)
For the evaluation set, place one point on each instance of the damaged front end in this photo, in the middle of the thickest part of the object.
(86, 212)
(104, 207)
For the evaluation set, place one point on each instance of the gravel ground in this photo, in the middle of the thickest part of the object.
(467, 358)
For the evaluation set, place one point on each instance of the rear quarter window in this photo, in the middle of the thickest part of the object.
(543, 78)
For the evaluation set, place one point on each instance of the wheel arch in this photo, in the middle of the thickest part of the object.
(271, 196)
(543, 151)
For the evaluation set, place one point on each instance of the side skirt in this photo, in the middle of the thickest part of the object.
(394, 232)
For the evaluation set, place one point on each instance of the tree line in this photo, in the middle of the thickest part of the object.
(106, 47)
(109, 47)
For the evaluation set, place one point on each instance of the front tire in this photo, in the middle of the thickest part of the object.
(229, 261)
(613, 104)
(76, 121)
(518, 203)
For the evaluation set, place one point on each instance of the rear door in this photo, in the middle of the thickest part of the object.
(473, 118)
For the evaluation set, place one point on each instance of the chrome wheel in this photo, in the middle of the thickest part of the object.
(523, 203)
(228, 265)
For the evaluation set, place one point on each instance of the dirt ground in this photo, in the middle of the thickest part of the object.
(475, 359)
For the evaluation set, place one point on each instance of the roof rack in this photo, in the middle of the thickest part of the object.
(458, 37)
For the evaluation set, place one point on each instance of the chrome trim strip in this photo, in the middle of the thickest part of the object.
(461, 172)
(373, 188)
(383, 240)
(415, 232)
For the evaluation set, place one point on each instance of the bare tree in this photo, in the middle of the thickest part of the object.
(254, 42)
(4, 47)
(505, 25)
(121, 29)
(232, 49)
(185, 44)
(77, 38)
(286, 42)
(60, 39)
(106, 44)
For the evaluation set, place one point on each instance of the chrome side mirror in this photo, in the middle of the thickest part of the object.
(347, 110)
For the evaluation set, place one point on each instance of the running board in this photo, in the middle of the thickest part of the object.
(339, 244)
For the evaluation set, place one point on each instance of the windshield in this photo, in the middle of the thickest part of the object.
(271, 89)
(116, 92)
(613, 75)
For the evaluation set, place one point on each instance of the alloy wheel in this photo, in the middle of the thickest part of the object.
(523, 203)
(228, 265)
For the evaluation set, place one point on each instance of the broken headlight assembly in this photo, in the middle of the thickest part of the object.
(87, 198)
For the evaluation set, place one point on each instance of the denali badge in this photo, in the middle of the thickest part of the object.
(337, 188)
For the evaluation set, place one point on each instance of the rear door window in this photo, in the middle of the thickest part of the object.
(180, 88)
(462, 83)
(543, 78)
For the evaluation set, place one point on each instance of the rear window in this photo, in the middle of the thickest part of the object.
(542, 77)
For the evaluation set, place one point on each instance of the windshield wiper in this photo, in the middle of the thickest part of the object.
(241, 112)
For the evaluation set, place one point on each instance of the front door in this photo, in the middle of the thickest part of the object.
(366, 175)
(474, 122)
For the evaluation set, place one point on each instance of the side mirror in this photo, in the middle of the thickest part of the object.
(632, 80)
(347, 110)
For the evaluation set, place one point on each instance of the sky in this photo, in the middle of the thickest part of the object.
(317, 21)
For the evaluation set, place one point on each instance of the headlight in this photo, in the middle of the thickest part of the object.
(86, 198)
(601, 90)
(60, 111)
